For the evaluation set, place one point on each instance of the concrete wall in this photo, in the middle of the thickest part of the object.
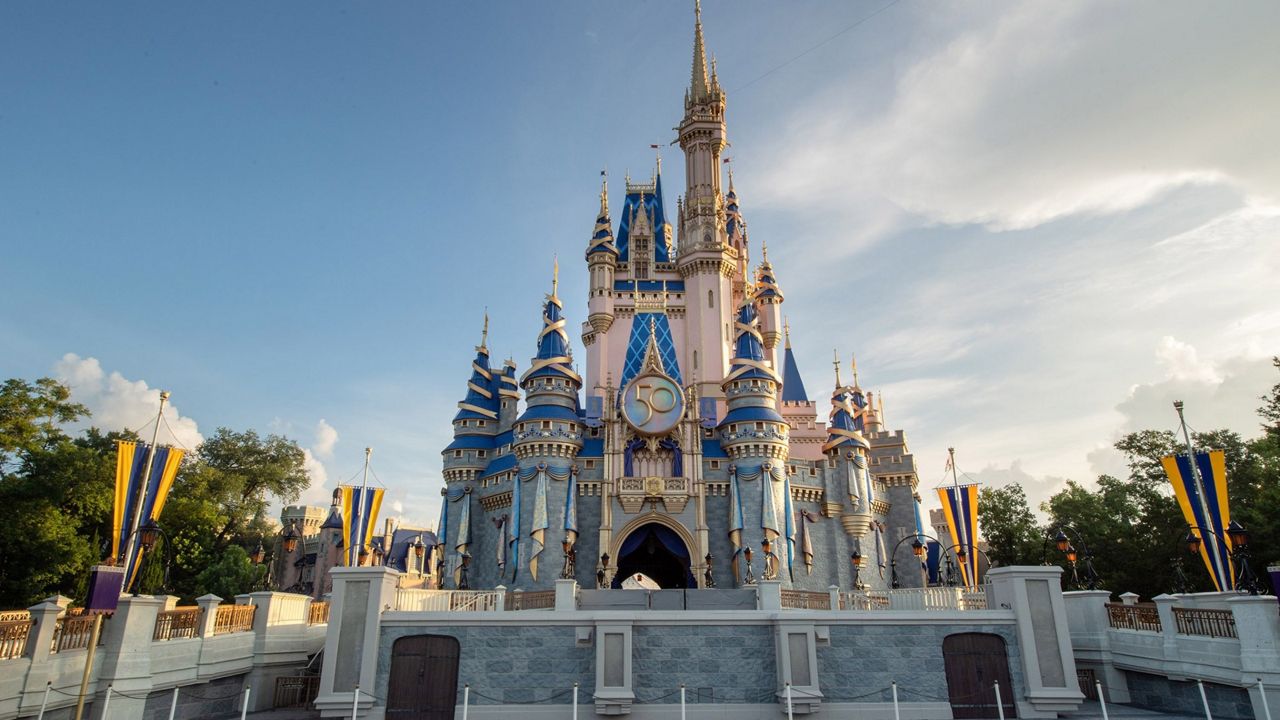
(1183, 698)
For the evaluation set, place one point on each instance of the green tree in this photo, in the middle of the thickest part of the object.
(1009, 526)
(31, 416)
(229, 575)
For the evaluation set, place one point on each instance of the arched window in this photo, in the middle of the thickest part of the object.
(695, 359)
(711, 299)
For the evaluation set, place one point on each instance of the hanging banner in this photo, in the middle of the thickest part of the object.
(1206, 512)
(360, 508)
(464, 536)
(131, 461)
(735, 522)
(960, 507)
(571, 508)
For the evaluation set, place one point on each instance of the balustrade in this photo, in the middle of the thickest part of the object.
(1207, 623)
(182, 622)
(13, 638)
(233, 619)
(72, 633)
(319, 613)
(1133, 617)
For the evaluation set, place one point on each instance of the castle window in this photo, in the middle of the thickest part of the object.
(715, 464)
(590, 464)
(480, 453)
(479, 423)
(546, 424)
(759, 426)
(457, 453)
(813, 472)
(711, 299)
(695, 359)
(595, 432)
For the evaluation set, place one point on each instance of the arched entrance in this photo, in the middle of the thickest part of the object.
(657, 551)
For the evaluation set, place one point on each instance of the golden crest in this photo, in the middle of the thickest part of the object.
(653, 486)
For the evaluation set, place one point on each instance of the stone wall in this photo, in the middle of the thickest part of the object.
(1183, 698)
(718, 663)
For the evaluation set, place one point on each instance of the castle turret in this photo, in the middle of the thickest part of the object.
(508, 396)
(477, 420)
(602, 262)
(755, 437)
(547, 439)
(707, 262)
(769, 297)
(846, 449)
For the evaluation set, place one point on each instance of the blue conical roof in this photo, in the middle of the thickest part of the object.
(553, 356)
(482, 390)
(748, 348)
(792, 385)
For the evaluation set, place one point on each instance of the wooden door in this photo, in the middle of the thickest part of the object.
(423, 683)
(974, 663)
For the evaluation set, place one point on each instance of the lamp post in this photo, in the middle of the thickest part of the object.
(1064, 545)
(856, 560)
(600, 573)
(750, 579)
(1245, 579)
(708, 580)
(148, 534)
(463, 583)
(770, 560)
(570, 558)
(917, 549)
(419, 552)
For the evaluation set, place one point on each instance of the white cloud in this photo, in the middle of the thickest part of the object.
(118, 403)
(325, 438)
(1038, 111)
(1182, 362)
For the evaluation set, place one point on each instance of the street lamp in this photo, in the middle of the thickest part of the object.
(750, 579)
(148, 534)
(377, 554)
(708, 580)
(770, 560)
(462, 576)
(258, 555)
(856, 560)
(290, 538)
(419, 552)
(1063, 542)
(570, 558)
(600, 573)
(1245, 580)
(363, 557)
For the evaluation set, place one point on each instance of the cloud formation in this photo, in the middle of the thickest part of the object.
(118, 403)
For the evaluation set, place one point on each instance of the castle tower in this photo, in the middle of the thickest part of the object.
(477, 420)
(769, 297)
(707, 262)
(602, 262)
(846, 450)
(755, 437)
(546, 441)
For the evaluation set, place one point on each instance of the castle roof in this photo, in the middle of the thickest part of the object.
(602, 237)
(649, 199)
(748, 349)
(792, 385)
(481, 401)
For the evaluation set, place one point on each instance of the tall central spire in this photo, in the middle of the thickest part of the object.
(700, 84)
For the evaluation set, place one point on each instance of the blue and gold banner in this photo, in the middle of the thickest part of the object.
(131, 465)
(360, 508)
(960, 507)
(1206, 512)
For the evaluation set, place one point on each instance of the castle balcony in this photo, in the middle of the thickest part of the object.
(634, 492)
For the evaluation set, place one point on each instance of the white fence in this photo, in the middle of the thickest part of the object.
(415, 600)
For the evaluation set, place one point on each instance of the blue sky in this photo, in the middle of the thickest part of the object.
(1036, 224)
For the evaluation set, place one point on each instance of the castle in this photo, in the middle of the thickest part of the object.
(691, 443)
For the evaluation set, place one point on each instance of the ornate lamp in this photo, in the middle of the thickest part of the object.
(290, 541)
(1193, 543)
(363, 557)
(148, 534)
(856, 560)
(1061, 541)
(708, 580)
(1239, 536)
(1071, 554)
(377, 554)
(750, 579)
(462, 576)
(917, 547)
(258, 555)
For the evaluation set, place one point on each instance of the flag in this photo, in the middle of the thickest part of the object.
(960, 507)
(933, 561)
(131, 462)
(655, 147)
(360, 508)
(1208, 510)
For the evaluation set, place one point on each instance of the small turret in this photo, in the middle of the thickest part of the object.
(846, 449)
(769, 295)
(752, 389)
(477, 420)
(550, 424)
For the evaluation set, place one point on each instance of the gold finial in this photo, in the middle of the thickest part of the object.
(484, 335)
(786, 330)
(555, 275)
(604, 192)
(764, 252)
(729, 162)
(836, 362)
(854, 361)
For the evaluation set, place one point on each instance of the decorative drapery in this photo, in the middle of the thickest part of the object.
(628, 456)
(538, 528)
(804, 517)
(790, 530)
(735, 521)
(501, 523)
(960, 507)
(464, 535)
(880, 552)
(571, 508)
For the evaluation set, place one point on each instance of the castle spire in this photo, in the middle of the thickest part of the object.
(853, 360)
(700, 85)
(555, 276)
(484, 335)
(836, 363)
(786, 332)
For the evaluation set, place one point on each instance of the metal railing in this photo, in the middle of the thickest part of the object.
(1207, 623)
(296, 691)
(531, 600)
(183, 622)
(415, 600)
(14, 615)
(233, 618)
(13, 638)
(319, 613)
(72, 633)
(1142, 617)
(806, 600)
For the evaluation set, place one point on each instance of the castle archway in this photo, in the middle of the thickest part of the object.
(660, 552)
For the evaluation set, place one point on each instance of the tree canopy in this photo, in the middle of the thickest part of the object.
(58, 492)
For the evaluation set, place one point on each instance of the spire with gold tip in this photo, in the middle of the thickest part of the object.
(699, 84)
(602, 237)
(481, 402)
(792, 385)
(553, 358)
(767, 290)
(844, 428)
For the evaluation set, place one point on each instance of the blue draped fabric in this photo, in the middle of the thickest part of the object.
(933, 562)
(667, 538)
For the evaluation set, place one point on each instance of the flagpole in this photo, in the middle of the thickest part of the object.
(358, 511)
(960, 520)
(142, 490)
(1223, 576)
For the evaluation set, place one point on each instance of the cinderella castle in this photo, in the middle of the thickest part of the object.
(691, 451)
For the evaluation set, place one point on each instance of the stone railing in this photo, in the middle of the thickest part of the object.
(1133, 617)
(414, 600)
(181, 622)
(13, 638)
(318, 614)
(530, 600)
(72, 633)
(870, 600)
(1207, 623)
(805, 600)
(233, 619)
